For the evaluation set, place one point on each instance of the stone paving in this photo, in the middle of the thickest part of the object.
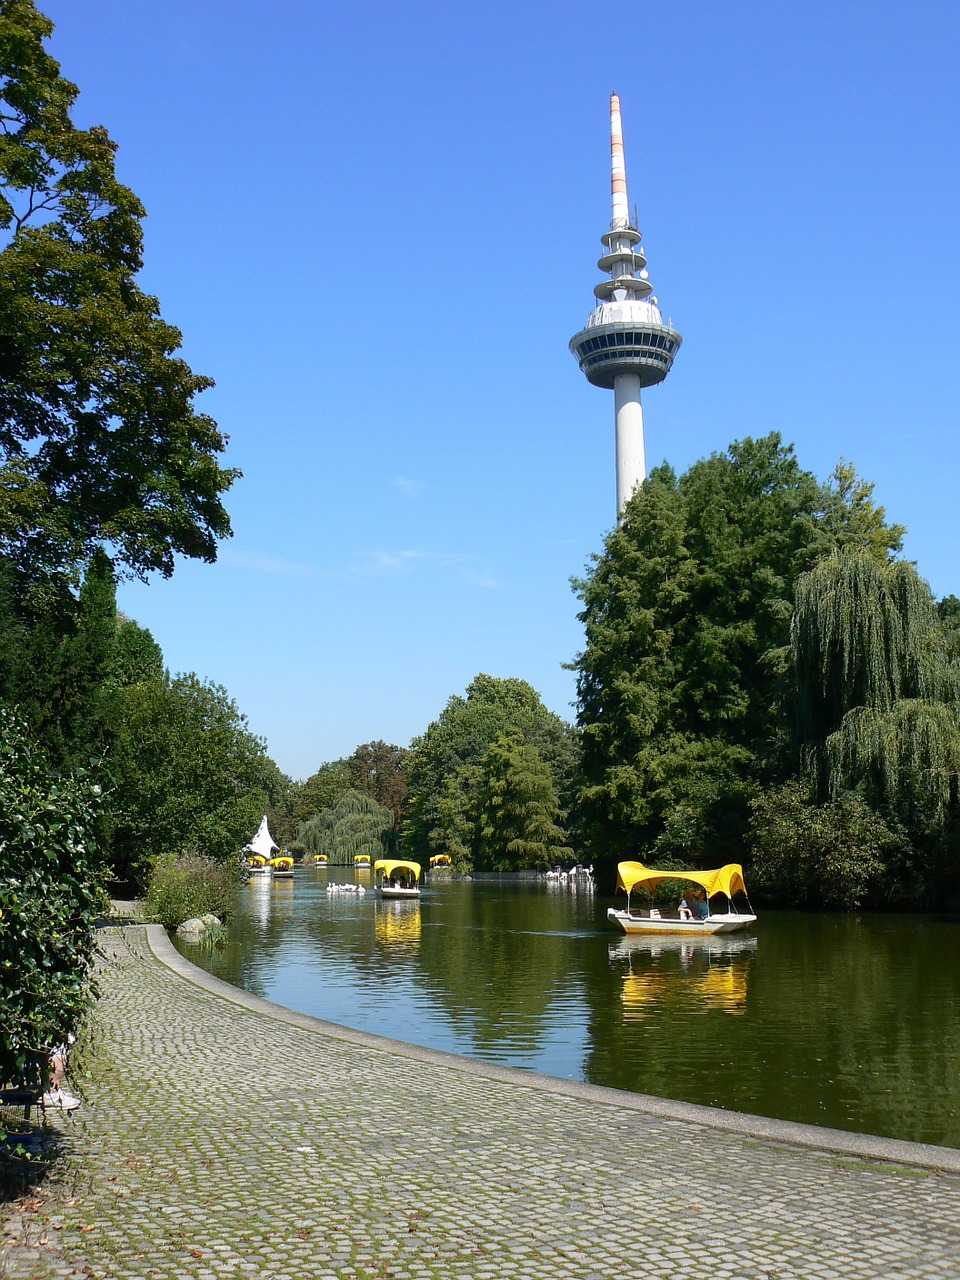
(220, 1141)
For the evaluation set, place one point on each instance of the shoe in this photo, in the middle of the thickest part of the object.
(61, 1099)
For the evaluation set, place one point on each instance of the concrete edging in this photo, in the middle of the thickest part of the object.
(831, 1141)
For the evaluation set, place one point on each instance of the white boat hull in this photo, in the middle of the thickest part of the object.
(394, 891)
(728, 923)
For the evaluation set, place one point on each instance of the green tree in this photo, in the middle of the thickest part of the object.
(835, 856)
(684, 678)
(518, 825)
(322, 789)
(878, 687)
(380, 770)
(189, 775)
(354, 825)
(99, 439)
(445, 762)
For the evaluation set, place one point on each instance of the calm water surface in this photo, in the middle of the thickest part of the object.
(852, 1022)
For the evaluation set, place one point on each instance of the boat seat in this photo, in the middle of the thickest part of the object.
(654, 913)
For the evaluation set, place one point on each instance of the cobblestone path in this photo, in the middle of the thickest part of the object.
(220, 1141)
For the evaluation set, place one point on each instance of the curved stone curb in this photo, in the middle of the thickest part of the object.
(834, 1141)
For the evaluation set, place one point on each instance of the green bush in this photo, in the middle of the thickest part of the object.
(190, 884)
(831, 856)
(50, 898)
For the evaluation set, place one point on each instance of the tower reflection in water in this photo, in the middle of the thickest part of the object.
(708, 973)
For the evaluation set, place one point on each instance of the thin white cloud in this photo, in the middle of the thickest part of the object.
(394, 563)
(409, 488)
(257, 563)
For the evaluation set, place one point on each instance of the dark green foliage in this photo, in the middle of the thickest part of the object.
(188, 774)
(99, 440)
(446, 763)
(877, 698)
(838, 855)
(683, 682)
(323, 789)
(189, 884)
(380, 770)
(354, 825)
(50, 896)
(518, 824)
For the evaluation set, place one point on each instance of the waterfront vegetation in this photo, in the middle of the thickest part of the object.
(763, 680)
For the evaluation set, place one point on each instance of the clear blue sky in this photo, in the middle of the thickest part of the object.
(377, 227)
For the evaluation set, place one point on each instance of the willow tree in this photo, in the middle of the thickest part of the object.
(355, 825)
(877, 688)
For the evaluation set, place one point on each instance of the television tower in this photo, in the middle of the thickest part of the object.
(626, 344)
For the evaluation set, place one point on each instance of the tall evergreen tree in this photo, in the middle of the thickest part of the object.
(518, 825)
(445, 762)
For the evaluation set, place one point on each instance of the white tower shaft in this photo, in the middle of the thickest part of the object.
(631, 457)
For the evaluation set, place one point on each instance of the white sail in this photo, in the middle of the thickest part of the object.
(263, 842)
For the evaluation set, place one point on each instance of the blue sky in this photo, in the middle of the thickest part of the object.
(377, 227)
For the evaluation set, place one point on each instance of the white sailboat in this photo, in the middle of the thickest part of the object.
(260, 850)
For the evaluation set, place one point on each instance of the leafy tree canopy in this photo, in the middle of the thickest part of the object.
(380, 770)
(189, 774)
(445, 767)
(99, 439)
(687, 613)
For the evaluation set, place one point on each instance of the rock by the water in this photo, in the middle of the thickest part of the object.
(192, 930)
(211, 921)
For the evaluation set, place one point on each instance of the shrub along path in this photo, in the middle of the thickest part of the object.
(224, 1137)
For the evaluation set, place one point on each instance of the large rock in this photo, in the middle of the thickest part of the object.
(211, 921)
(192, 930)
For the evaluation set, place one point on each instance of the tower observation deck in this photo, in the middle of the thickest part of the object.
(626, 345)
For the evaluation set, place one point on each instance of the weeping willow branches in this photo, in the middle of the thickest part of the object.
(877, 689)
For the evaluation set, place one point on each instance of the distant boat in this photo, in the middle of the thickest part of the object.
(260, 850)
(282, 867)
(690, 920)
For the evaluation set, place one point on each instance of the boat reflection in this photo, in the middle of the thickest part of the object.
(711, 972)
(397, 923)
(261, 888)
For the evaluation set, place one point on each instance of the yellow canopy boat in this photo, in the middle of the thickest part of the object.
(694, 916)
(396, 878)
(282, 866)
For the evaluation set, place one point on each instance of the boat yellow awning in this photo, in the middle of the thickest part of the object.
(282, 864)
(728, 879)
(390, 866)
(441, 860)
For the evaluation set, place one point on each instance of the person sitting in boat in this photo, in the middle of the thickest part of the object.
(700, 906)
(684, 910)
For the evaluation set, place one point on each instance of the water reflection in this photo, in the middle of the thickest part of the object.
(397, 924)
(692, 975)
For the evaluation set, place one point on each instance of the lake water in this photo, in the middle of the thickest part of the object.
(846, 1021)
